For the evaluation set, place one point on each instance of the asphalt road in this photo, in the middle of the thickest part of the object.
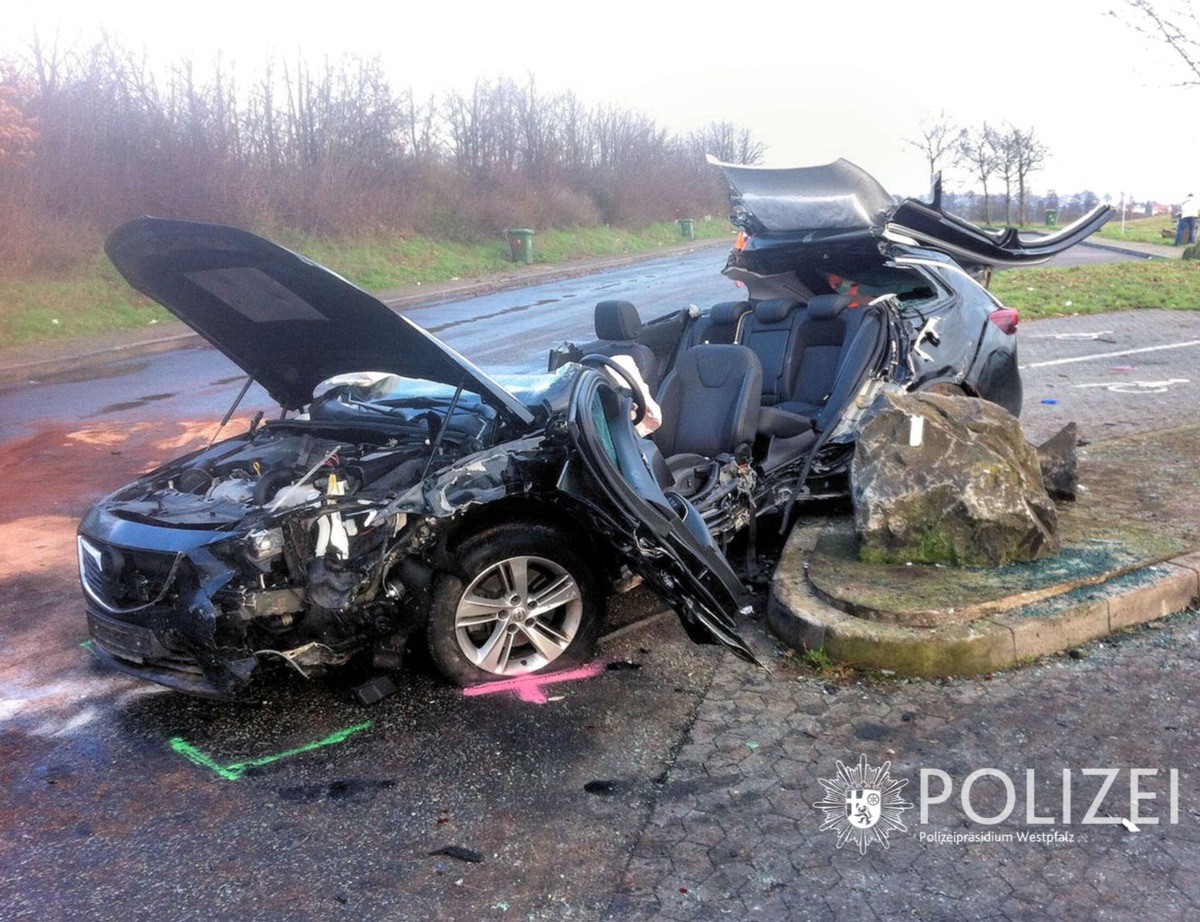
(122, 801)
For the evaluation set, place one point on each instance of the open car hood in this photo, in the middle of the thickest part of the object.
(839, 198)
(288, 322)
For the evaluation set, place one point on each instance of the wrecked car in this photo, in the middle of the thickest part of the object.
(402, 493)
(848, 293)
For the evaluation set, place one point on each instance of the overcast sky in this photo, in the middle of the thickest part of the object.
(813, 81)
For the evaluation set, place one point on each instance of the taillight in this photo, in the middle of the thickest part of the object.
(1006, 318)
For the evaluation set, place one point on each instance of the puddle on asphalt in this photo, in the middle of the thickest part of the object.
(131, 404)
(478, 317)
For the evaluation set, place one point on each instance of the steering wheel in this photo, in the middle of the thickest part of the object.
(639, 400)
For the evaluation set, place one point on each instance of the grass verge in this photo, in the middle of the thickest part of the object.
(1055, 291)
(1141, 230)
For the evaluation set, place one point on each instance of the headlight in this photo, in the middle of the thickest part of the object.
(264, 543)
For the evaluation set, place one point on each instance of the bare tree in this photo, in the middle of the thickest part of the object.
(539, 136)
(484, 128)
(729, 142)
(1005, 147)
(418, 126)
(937, 136)
(976, 150)
(1177, 26)
(47, 61)
(1022, 153)
(574, 134)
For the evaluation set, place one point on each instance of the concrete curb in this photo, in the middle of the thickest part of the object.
(90, 358)
(800, 618)
(1133, 248)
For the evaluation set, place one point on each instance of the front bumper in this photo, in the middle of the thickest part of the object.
(136, 651)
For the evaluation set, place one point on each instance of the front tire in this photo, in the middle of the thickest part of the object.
(522, 600)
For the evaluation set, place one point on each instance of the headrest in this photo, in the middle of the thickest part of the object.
(774, 310)
(617, 320)
(728, 312)
(826, 307)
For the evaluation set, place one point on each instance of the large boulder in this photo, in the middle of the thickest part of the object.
(940, 479)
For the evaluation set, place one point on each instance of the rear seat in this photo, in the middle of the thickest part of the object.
(821, 338)
(721, 325)
(771, 332)
(801, 349)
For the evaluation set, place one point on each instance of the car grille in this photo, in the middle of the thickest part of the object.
(122, 580)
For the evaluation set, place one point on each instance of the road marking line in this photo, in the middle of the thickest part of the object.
(234, 770)
(1110, 355)
(1060, 336)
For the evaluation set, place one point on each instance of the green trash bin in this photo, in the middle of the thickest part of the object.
(520, 243)
(1051, 217)
(687, 229)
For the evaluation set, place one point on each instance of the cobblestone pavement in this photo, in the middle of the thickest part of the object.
(735, 834)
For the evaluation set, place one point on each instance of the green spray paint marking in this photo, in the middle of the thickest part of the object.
(234, 770)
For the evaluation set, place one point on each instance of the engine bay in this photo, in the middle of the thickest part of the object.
(296, 463)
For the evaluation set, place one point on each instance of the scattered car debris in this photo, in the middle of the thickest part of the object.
(1060, 463)
(462, 853)
(375, 689)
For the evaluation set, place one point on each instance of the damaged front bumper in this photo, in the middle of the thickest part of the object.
(137, 651)
(182, 614)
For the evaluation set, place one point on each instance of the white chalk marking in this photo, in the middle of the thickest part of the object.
(1065, 336)
(1137, 387)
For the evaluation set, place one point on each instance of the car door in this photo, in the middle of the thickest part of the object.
(658, 535)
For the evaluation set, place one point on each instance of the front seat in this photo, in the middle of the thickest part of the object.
(710, 407)
(617, 328)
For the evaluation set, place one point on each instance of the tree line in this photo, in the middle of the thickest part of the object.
(90, 136)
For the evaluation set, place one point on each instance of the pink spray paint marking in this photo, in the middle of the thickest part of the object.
(530, 687)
